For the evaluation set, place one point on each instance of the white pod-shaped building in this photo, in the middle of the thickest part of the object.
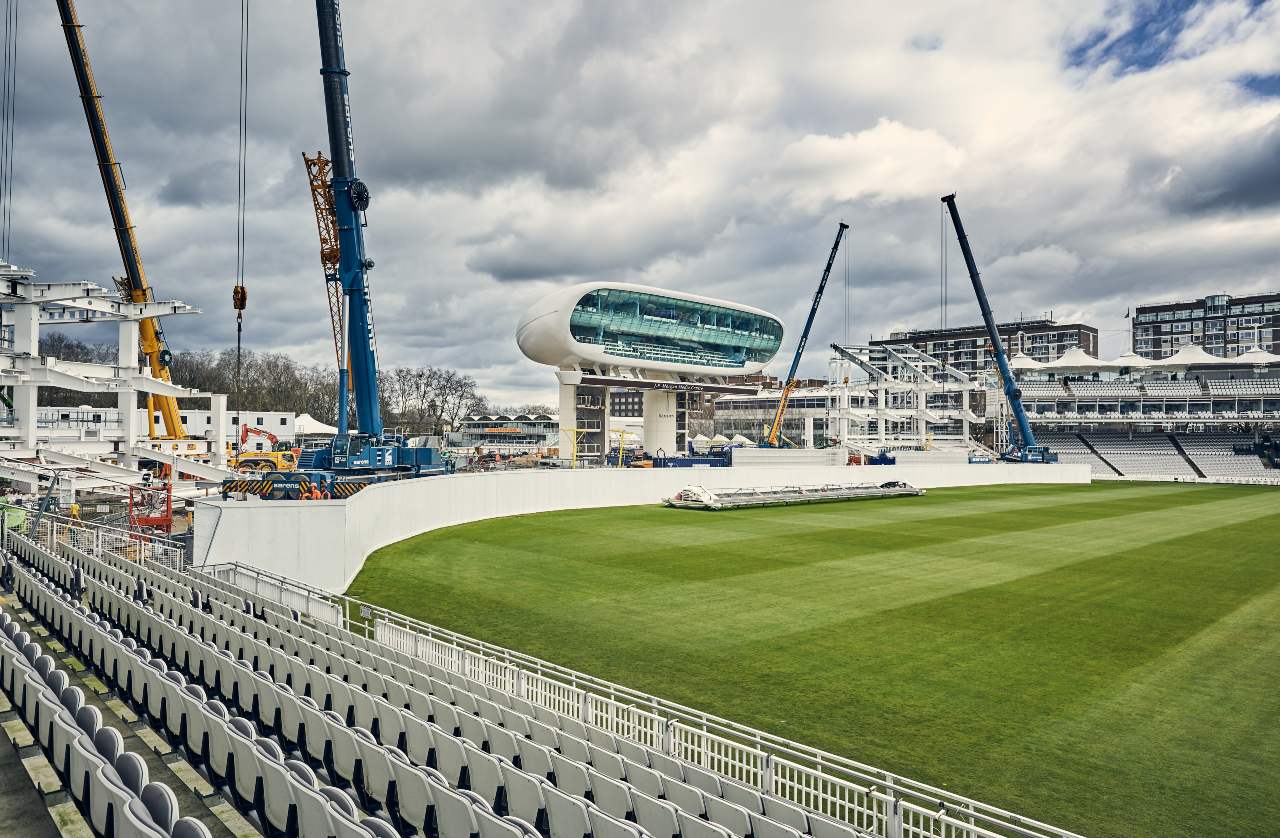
(619, 324)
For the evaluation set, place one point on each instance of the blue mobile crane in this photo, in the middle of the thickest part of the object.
(352, 460)
(775, 430)
(1023, 447)
(368, 450)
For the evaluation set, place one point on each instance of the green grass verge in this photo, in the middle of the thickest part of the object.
(1105, 658)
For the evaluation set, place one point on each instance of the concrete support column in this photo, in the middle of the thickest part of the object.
(127, 400)
(809, 440)
(964, 414)
(880, 406)
(218, 415)
(660, 422)
(569, 381)
(26, 341)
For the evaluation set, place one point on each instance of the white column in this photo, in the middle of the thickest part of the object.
(26, 340)
(660, 422)
(880, 406)
(218, 416)
(568, 411)
(127, 399)
(808, 432)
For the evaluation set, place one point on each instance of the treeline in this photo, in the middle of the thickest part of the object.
(417, 400)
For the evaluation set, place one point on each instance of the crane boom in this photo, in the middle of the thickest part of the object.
(775, 430)
(1027, 439)
(133, 285)
(318, 169)
(350, 200)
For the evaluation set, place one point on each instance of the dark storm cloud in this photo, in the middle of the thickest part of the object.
(1243, 176)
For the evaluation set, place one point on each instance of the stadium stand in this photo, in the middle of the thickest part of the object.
(1042, 389)
(1244, 387)
(1143, 454)
(1070, 448)
(307, 733)
(1215, 455)
(1109, 389)
(1174, 389)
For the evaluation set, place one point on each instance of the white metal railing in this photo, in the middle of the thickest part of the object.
(877, 801)
(91, 537)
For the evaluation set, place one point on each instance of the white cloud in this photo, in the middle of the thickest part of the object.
(512, 147)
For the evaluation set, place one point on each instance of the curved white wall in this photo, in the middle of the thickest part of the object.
(325, 543)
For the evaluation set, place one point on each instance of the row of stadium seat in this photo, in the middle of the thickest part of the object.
(109, 784)
(385, 671)
(440, 756)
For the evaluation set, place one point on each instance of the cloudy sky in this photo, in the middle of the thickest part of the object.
(1105, 154)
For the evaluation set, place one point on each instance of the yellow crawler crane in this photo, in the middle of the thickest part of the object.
(133, 285)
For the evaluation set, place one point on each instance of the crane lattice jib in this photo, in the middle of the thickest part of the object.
(775, 431)
(134, 285)
(350, 200)
(318, 169)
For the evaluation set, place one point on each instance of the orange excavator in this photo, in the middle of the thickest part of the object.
(281, 457)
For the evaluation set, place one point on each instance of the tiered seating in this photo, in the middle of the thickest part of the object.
(1070, 449)
(1042, 389)
(1105, 389)
(109, 784)
(1244, 387)
(1143, 455)
(1215, 455)
(316, 736)
(1174, 389)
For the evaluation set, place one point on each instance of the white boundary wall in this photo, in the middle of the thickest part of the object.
(325, 543)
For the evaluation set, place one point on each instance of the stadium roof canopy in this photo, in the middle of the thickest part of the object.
(1191, 355)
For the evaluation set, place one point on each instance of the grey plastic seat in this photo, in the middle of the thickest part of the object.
(108, 742)
(604, 825)
(451, 759)
(379, 828)
(107, 800)
(453, 813)
(566, 816)
(189, 828)
(644, 779)
(610, 795)
(485, 771)
(747, 798)
(763, 827)
(685, 797)
(492, 826)
(133, 771)
(657, 817)
(695, 827)
(667, 766)
(820, 827)
(729, 815)
(535, 758)
(413, 794)
(133, 821)
(787, 813)
(525, 798)
(574, 748)
(606, 762)
(571, 777)
(161, 803)
(703, 779)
